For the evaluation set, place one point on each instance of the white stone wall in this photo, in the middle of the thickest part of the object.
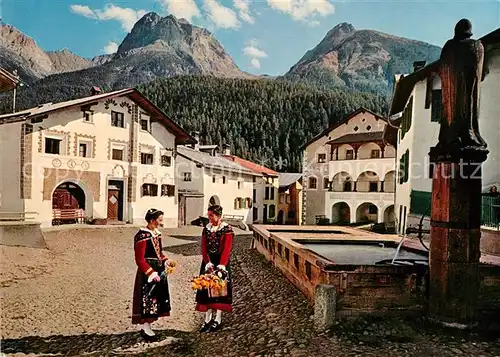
(10, 161)
(102, 137)
(320, 201)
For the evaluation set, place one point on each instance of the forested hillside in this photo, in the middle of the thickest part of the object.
(262, 120)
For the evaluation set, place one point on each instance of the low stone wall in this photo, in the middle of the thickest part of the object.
(22, 234)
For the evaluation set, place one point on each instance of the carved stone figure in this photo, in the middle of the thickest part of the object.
(460, 70)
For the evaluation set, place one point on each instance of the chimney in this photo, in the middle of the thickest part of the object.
(95, 90)
(226, 149)
(418, 65)
(196, 136)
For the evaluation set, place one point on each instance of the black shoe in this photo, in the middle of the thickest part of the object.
(213, 326)
(206, 326)
(147, 337)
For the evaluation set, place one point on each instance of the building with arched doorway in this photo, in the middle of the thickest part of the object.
(349, 172)
(107, 156)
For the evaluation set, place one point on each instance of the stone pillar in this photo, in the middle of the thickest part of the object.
(382, 186)
(324, 306)
(355, 188)
(455, 235)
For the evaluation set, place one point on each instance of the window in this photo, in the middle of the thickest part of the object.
(83, 149)
(372, 209)
(321, 158)
(88, 116)
(255, 214)
(186, 176)
(291, 214)
(254, 179)
(214, 179)
(254, 195)
(166, 161)
(356, 128)
(282, 198)
(272, 211)
(168, 190)
(266, 195)
(404, 166)
(149, 189)
(146, 158)
(224, 179)
(145, 124)
(373, 187)
(406, 120)
(271, 190)
(117, 154)
(326, 183)
(249, 202)
(437, 105)
(117, 119)
(313, 183)
(368, 128)
(375, 154)
(349, 154)
(287, 199)
(52, 146)
(239, 185)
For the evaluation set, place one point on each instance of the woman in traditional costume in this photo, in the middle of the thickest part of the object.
(151, 295)
(216, 245)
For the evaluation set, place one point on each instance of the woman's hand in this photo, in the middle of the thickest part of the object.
(209, 267)
(154, 277)
(221, 267)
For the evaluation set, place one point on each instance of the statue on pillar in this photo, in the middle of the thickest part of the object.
(460, 70)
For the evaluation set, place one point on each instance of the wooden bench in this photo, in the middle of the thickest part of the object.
(234, 217)
(66, 215)
(17, 216)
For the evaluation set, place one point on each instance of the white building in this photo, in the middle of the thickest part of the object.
(349, 172)
(206, 178)
(418, 97)
(265, 190)
(108, 156)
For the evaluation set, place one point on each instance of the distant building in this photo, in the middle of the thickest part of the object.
(8, 81)
(205, 178)
(107, 156)
(265, 190)
(417, 107)
(349, 172)
(290, 199)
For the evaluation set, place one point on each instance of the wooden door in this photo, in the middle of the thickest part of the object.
(113, 203)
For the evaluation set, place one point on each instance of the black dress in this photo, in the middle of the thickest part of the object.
(149, 304)
(216, 248)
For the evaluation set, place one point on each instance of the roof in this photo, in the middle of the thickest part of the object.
(182, 137)
(216, 162)
(252, 166)
(8, 80)
(343, 121)
(404, 87)
(288, 179)
(358, 138)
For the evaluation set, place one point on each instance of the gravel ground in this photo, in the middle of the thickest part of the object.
(271, 318)
(83, 284)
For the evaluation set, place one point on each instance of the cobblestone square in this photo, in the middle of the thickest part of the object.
(74, 300)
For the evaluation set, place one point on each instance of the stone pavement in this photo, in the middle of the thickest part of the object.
(272, 318)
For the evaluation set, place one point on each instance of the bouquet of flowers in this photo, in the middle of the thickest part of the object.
(170, 267)
(214, 281)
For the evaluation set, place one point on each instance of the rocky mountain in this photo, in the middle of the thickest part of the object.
(20, 52)
(156, 47)
(364, 60)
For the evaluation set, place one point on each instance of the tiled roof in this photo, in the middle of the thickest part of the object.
(208, 160)
(358, 138)
(287, 179)
(252, 165)
(182, 137)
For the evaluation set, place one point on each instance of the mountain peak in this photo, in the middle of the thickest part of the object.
(344, 27)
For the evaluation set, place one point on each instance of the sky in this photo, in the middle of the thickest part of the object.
(262, 36)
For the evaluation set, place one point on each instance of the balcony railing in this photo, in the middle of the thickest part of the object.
(368, 196)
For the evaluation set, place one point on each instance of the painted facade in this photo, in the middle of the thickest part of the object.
(290, 199)
(113, 152)
(349, 172)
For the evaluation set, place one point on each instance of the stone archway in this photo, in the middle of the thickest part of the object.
(367, 212)
(389, 214)
(341, 213)
(68, 195)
